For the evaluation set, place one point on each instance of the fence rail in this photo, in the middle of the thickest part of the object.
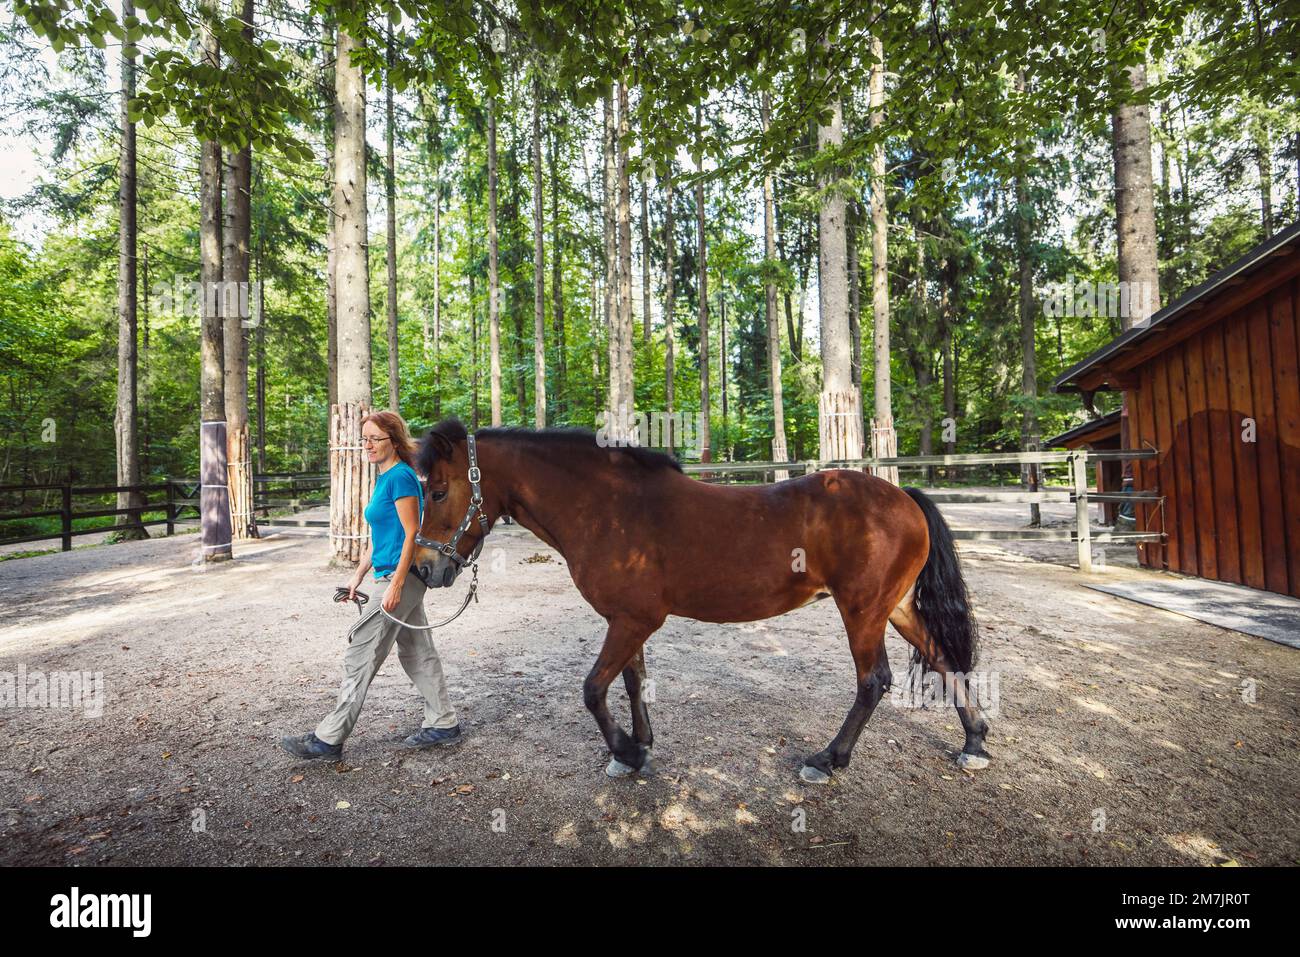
(179, 494)
(1074, 491)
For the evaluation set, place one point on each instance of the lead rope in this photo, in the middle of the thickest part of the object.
(472, 594)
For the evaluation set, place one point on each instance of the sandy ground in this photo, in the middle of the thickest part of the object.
(1120, 734)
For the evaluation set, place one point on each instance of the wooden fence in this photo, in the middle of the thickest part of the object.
(293, 491)
(280, 490)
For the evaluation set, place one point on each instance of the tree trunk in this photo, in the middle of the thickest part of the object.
(796, 341)
(1135, 224)
(779, 450)
(328, 50)
(645, 262)
(126, 418)
(214, 493)
(837, 405)
(855, 306)
(494, 282)
(670, 303)
(352, 475)
(237, 237)
(884, 440)
(511, 257)
(390, 256)
(437, 295)
(1264, 163)
(610, 182)
(1029, 438)
(627, 398)
(473, 320)
(1135, 217)
(949, 378)
(557, 283)
(261, 362)
(722, 364)
(539, 267)
(706, 437)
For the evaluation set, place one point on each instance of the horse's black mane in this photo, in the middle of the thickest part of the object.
(568, 439)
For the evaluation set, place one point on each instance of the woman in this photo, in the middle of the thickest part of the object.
(394, 515)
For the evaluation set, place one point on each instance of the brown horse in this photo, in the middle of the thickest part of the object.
(643, 541)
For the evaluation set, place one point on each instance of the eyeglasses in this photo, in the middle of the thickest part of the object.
(367, 440)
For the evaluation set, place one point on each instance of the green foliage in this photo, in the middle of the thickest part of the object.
(957, 131)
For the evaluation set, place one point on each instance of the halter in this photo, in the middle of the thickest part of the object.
(475, 505)
(449, 548)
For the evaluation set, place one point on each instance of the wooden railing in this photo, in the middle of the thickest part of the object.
(177, 495)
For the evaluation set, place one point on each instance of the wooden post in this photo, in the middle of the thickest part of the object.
(214, 492)
(1083, 533)
(884, 445)
(67, 516)
(171, 505)
(838, 421)
(352, 480)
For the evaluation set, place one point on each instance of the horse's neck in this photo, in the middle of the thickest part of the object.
(522, 476)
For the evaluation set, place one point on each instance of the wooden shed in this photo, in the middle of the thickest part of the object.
(1213, 383)
(1101, 434)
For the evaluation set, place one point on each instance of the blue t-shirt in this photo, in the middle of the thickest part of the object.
(386, 533)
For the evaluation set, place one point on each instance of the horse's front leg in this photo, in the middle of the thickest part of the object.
(623, 641)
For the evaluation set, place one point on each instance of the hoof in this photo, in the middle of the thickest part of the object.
(617, 769)
(814, 775)
(972, 762)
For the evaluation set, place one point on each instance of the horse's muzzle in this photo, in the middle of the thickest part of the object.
(439, 572)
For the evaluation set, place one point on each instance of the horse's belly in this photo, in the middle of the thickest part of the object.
(720, 604)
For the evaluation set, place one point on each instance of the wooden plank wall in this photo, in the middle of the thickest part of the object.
(1232, 508)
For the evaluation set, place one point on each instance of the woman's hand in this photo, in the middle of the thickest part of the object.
(392, 596)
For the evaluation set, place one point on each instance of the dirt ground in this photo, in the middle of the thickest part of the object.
(1120, 734)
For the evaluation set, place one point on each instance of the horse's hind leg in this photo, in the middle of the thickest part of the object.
(623, 641)
(867, 642)
(634, 680)
(908, 622)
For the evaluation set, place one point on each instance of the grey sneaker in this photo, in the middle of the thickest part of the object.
(432, 737)
(309, 747)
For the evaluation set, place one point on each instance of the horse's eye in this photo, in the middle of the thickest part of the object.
(439, 496)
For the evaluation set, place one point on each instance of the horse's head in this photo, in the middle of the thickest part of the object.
(449, 508)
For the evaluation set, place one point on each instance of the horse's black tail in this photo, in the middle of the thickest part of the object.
(940, 597)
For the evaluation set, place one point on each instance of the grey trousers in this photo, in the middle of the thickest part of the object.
(372, 639)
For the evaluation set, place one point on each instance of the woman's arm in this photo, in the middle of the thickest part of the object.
(408, 510)
(360, 574)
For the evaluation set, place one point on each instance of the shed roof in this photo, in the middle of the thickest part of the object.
(1187, 306)
(1091, 430)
